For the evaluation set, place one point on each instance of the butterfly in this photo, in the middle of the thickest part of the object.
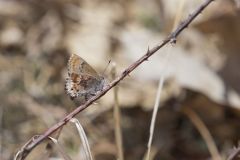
(82, 81)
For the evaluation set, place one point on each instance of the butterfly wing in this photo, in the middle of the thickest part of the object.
(78, 65)
(82, 80)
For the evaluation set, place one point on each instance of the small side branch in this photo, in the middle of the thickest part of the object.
(172, 37)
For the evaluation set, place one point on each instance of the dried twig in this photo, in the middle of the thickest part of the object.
(203, 130)
(117, 119)
(154, 116)
(235, 153)
(160, 86)
(1, 128)
(179, 13)
(60, 149)
(157, 105)
(83, 137)
(171, 38)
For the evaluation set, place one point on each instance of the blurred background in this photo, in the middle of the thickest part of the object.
(201, 75)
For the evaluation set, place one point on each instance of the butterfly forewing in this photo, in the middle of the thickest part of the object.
(79, 66)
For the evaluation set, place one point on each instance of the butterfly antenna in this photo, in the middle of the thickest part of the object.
(106, 67)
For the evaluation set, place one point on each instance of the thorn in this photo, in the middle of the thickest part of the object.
(125, 73)
(148, 50)
(148, 53)
(146, 59)
(173, 40)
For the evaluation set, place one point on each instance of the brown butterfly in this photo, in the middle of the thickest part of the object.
(82, 81)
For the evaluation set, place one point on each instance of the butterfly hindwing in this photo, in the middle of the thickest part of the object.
(82, 81)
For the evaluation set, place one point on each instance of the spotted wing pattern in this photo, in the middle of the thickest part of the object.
(82, 80)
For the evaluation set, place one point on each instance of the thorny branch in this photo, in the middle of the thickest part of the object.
(235, 154)
(25, 150)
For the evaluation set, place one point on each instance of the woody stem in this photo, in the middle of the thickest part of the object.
(171, 38)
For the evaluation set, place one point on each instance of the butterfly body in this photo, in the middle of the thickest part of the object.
(82, 81)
